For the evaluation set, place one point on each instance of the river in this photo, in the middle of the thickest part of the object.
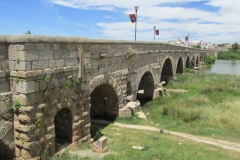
(224, 67)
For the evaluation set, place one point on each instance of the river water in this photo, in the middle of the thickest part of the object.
(224, 67)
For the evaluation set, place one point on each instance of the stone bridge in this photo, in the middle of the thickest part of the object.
(51, 87)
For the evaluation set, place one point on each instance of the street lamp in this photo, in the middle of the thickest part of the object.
(188, 39)
(154, 27)
(136, 9)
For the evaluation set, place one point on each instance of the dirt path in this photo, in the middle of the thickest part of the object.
(220, 143)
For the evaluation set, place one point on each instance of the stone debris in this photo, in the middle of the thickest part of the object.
(100, 145)
(138, 147)
(141, 115)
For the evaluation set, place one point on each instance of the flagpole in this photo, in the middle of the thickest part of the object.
(136, 8)
(154, 27)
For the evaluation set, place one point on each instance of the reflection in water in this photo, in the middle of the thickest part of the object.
(225, 67)
(233, 62)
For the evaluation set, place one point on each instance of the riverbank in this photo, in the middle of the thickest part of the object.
(229, 55)
(210, 108)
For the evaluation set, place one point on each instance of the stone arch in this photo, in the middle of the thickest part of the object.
(104, 79)
(107, 83)
(188, 62)
(104, 102)
(63, 127)
(167, 71)
(145, 88)
(179, 66)
(5, 151)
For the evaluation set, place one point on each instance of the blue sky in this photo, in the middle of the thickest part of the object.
(214, 21)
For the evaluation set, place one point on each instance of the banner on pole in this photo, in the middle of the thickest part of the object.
(186, 38)
(132, 17)
(157, 32)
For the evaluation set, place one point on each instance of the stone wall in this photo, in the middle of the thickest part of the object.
(63, 81)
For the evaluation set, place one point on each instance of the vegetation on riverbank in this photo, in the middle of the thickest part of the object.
(156, 146)
(209, 60)
(210, 108)
(231, 54)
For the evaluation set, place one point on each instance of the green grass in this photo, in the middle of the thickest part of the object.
(229, 55)
(121, 140)
(210, 108)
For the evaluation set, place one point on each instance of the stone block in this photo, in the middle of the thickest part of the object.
(6, 128)
(66, 54)
(100, 145)
(45, 55)
(134, 106)
(39, 65)
(52, 63)
(70, 62)
(5, 87)
(11, 65)
(58, 54)
(31, 98)
(8, 138)
(73, 54)
(125, 112)
(5, 65)
(5, 106)
(27, 87)
(12, 54)
(55, 46)
(28, 55)
(2, 74)
(23, 66)
(59, 63)
(26, 74)
(27, 154)
(40, 46)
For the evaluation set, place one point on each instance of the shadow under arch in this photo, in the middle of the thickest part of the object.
(188, 62)
(192, 62)
(5, 152)
(145, 88)
(63, 128)
(197, 61)
(104, 103)
(167, 71)
(179, 66)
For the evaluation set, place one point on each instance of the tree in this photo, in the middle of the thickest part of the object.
(28, 32)
(235, 46)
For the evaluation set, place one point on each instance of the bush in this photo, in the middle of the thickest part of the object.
(209, 60)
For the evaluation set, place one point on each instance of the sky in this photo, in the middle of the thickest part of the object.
(216, 21)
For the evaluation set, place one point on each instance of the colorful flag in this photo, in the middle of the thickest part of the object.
(157, 32)
(132, 17)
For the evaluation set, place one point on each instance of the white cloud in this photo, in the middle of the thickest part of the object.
(173, 22)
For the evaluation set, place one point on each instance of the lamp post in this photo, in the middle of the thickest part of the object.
(188, 39)
(136, 9)
(154, 27)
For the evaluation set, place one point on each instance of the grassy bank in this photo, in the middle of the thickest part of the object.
(209, 60)
(210, 108)
(121, 140)
(229, 55)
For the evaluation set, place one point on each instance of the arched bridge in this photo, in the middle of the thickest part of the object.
(55, 85)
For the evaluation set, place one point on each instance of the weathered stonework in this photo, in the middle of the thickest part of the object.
(60, 83)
